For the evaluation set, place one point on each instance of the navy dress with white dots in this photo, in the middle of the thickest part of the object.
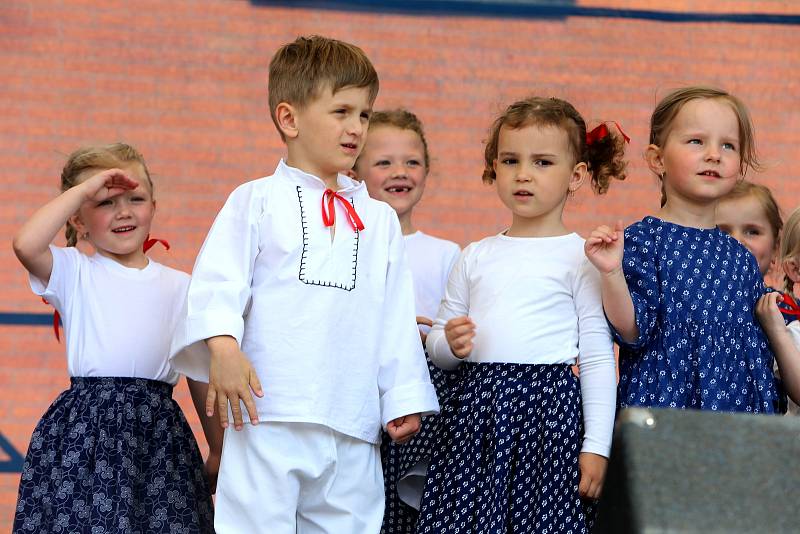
(699, 346)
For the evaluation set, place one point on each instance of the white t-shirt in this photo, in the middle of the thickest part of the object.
(327, 322)
(535, 301)
(118, 321)
(431, 259)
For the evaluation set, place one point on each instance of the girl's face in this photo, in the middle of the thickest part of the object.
(117, 227)
(744, 219)
(700, 158)
(535, 170)
(393, 167)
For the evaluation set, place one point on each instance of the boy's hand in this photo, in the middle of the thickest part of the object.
(769, 315)
(211, 469)
(425, 322)
(593, 472)
(604, 247)
(402, 429)
(230, 379)
(107, 184)
(459, 332)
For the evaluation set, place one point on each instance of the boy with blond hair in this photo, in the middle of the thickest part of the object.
(302, 286)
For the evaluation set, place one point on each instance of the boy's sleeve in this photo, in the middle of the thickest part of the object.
(455, 303)
(403, 379)
(220, 287)
(639, 264)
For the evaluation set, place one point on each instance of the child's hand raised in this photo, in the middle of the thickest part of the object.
(231, 377)
(459, 332)
(402, 429)
(593, 472)
(107, 184)
(769, 315)
(604, 248)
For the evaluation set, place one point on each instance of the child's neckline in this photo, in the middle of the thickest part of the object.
(123, 269)
(502, 235)
(657, 220)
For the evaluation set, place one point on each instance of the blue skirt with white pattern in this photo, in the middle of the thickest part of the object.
(114, 455)
(507, 457)
(398, 460)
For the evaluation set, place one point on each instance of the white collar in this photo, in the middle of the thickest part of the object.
(347, 185)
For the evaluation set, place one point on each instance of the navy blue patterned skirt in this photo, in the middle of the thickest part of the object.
(114, 455)
(507, 457)
(398, 460)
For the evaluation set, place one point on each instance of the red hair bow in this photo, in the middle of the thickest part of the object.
(601, 132)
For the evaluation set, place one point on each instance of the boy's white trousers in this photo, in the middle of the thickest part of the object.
(298, 478)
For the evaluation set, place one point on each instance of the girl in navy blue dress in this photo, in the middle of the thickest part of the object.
(679, 293)
(113, 453)
(519, 309)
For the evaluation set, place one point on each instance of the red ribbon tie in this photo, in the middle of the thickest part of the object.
(329, 210)
(601, 132)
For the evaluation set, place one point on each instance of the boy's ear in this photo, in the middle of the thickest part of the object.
(579, 173)
(286, 116)
(792, 269)
(351, 173)
(654, 159)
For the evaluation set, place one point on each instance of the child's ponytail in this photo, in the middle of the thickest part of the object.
(605, 156)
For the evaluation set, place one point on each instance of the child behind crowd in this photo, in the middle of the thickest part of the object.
(519, 309)
(114, 451)
(302, 283)
(785, 339)
(750, 214)
(394, 165)
(679, 293)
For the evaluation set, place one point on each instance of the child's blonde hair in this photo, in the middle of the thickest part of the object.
(763, 195)
(790, 244)
(98, 157)
(301, 69)
(665, 112)
(603, 157)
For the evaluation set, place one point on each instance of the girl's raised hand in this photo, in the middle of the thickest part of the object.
(769, 315)
(604, 248)
(459, 332)
(107, 184)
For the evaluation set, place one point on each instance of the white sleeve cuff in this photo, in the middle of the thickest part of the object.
(408, 399)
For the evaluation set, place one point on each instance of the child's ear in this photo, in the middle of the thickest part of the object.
(77, 223)
(654, 159)
(579, 173)
(351, 173)
(792, 269)
(286, 116)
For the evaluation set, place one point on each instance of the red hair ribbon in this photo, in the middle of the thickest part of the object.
(790, 306)
(601, 132)
(329, 210)
(147, 245)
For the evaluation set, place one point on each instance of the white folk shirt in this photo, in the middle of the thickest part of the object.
(535, 301)
(118, 321)
(327, 322)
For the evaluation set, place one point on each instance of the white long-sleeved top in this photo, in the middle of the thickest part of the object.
(535, 301)
(327, 321)
(431, 259)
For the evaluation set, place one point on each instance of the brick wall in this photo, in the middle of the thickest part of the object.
(185, 81)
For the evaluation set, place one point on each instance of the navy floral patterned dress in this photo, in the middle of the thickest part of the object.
(699, 346)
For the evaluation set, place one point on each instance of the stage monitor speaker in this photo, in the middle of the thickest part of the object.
(687, 471)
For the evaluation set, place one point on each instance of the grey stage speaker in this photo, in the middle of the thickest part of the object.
(687, 471)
